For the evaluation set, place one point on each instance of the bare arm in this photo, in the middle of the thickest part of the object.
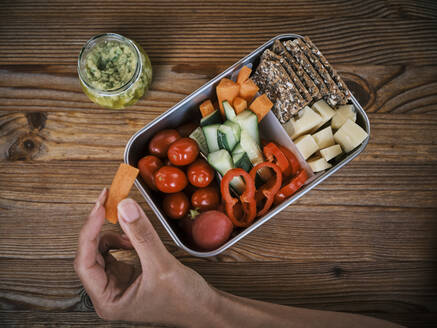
(167, 292)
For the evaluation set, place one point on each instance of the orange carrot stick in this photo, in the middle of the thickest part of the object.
(119, 190)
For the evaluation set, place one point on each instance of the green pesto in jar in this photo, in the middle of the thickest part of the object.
(110, 65)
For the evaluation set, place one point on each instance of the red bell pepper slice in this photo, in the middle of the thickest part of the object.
(272, 153)
(245, 216)
(269, 189)
(291, 187)
(294, 163)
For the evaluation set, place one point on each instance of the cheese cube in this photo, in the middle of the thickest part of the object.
(306, 145)
(342, 114)
(330, 152)
(350, 135)
(307, 119)
(324, 138)
(324, 110)
(318, 164)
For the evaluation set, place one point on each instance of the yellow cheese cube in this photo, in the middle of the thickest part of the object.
(307, 119)
(350, 135)
(318, 164)
(324, 138)
(324, 110)
(342, 114)
(331, 152)
(306, 145)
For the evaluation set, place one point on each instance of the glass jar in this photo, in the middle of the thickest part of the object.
(114, 71)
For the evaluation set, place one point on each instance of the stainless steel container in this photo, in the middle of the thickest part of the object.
(187, 110)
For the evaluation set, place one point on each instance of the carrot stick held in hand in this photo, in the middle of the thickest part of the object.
(119, 190)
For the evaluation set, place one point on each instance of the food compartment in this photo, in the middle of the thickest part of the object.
(270, 128)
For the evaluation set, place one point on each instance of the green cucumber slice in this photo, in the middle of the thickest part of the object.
(248, 121)
(213, 118)
(198, 136)
(210, 132)
(229, 110)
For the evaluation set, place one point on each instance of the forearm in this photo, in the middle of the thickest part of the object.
(233, 311)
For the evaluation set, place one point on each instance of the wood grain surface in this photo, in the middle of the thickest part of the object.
(363, 241)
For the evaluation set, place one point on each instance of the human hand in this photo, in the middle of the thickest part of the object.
(164, 291)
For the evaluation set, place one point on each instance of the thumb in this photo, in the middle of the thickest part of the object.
(143, 237)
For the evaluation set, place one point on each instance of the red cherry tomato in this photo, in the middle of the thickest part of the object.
(170, 179)
(160, 142)
(206, 199)
(183, 151)
(211, 229)
(176, 205)
(186, 129)
(200, 173)
(148, 165)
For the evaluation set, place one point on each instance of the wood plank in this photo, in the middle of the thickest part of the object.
(400, 199)
(388, 89)
(234, 9)
(385, 89)
(90, 319)
(421, 8)
(361, 287)
(172, 40)
(102, 135)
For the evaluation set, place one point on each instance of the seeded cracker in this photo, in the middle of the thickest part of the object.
(335, 95)
(337, 78)
(304, 61)
(279, 49)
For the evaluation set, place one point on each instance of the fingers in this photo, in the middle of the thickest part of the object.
(112, 240)
(143, 237)
(91, 274)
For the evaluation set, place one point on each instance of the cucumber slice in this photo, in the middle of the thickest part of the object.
(210, 132)
(213, 118)
(221, 161)
(248, 121)
(235, 127)
(229, 110)
(226, 138)
(238, 149)
(254, 153)
(198, 136)
(241, 160)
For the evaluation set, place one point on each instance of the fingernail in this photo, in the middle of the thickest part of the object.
(102, 195)
(100, 200)
(128, 211)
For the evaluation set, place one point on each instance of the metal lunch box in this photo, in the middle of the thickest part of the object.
(187, 110)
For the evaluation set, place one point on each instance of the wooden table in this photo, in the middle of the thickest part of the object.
(364, 241)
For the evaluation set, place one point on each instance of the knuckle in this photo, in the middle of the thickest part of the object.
(145, 237)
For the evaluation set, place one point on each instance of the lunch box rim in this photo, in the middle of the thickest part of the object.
(317, 180)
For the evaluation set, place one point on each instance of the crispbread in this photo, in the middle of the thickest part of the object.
(279, 49)
(300, 57)
(335, 95)
(272, 79)
(340, 83)
(270, 55)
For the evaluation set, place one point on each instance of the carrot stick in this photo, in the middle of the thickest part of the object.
(119, 190)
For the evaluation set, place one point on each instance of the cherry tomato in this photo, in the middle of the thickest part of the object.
(176, 205)
(160, 142)
(206, 199)
(170, 179)
(211, 229)
(200, 173)
(183, 151)
(148, 165)
(186, 129)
